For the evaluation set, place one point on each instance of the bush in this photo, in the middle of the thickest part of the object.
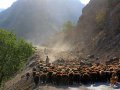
(13, 54)
(100, 16)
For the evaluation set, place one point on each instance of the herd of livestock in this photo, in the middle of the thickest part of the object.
(69, 74)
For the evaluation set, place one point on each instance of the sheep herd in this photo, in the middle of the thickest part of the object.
(69, 74)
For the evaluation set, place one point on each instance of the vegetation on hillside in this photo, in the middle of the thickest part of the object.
(62, 37)
(100, 17)
(13, 54)
(68, 30)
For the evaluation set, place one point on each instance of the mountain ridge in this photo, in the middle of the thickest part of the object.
(28, 18)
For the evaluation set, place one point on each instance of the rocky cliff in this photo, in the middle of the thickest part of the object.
(98, 29)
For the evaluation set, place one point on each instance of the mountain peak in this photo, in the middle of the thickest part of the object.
(39, 18)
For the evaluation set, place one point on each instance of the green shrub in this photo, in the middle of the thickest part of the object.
(13, 54)
(100, 16)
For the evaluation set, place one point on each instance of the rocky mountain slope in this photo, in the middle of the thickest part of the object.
(98, 29)
(36, 20)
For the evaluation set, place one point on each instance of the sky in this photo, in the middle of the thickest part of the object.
(85, 1)
(4, 4)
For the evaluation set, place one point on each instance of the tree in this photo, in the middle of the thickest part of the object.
(13, 54)
(68, 26)
(68, 30)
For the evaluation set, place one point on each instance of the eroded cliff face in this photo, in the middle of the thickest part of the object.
(98, 29)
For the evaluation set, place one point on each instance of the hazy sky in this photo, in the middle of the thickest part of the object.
(7, 3)
(85, 1)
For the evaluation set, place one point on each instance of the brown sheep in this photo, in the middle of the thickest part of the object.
(113, 80)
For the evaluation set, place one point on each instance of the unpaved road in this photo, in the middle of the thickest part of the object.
(100, 87)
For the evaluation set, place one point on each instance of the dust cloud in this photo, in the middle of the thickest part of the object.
(59, 50)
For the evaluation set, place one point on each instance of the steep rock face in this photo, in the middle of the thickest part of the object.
(87, 26)
(98, 27)
(35, 20)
